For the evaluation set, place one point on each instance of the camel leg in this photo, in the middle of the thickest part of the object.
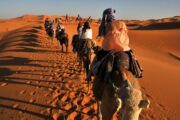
(51, 41)
(99, 115)
(66, 49)
(62, 48)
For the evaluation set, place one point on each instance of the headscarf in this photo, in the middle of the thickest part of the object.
(108, 16)
(86, 26)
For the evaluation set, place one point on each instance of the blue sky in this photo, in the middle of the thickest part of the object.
(126, 9)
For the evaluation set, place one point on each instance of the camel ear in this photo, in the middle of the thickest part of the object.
(144, 104)
(119, 103)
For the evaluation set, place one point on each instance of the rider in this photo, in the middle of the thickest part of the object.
(60, 27)
(78, 18)
(116, 39)
(66, 18)
(86, 31)
(86, 43)
(89, 19)
(46, 21)
(86, 35)
(75, 41)
(60, 30)
(108, 16)
(46, 24)
(79, 28)
(51, 25)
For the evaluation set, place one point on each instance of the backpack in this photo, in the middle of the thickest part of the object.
(135, 67)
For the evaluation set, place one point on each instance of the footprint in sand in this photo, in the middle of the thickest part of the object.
(28, 82)
(72, 116)
(68, 106)
(22, 92)
(43, 112)
(19, 68)
(32, 93)
(4, 84)
(41, 77)
(64, 98)
(37, 82)
(37, 87)
(50, 89)
(161, 106)
(86, 110)
(56, 116)
(49, 110)
(47, 95)
(85, 100)
(54, 65)
(31, 100)
(56, 75)
(149, 96)
(78, 102)
(15, 105)
(72, 95)
(29, 76)
(50, 78)
(49, 102)
(20, 112)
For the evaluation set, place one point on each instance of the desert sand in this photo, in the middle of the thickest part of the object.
(38, 81)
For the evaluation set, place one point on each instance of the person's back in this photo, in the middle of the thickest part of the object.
(67, 18)
(78, 18)
(87, 34)
(60, 27)
(52, 25)
(46, 22)
(116, 37)
(86, 42)
(108, 16)
(63, 31)
(116, 40)
(86, 31)
(79, 29)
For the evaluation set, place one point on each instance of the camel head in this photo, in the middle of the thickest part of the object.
(132, 104)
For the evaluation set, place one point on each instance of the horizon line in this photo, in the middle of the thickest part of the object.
(28, 14)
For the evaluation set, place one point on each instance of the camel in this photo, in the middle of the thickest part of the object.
(119, 96)
(63, 39)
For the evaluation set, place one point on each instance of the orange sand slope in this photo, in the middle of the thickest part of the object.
(38, 81)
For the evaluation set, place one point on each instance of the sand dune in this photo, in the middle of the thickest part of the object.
(38, 81)
(155, 24)
(158, 52)
(161, 26)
